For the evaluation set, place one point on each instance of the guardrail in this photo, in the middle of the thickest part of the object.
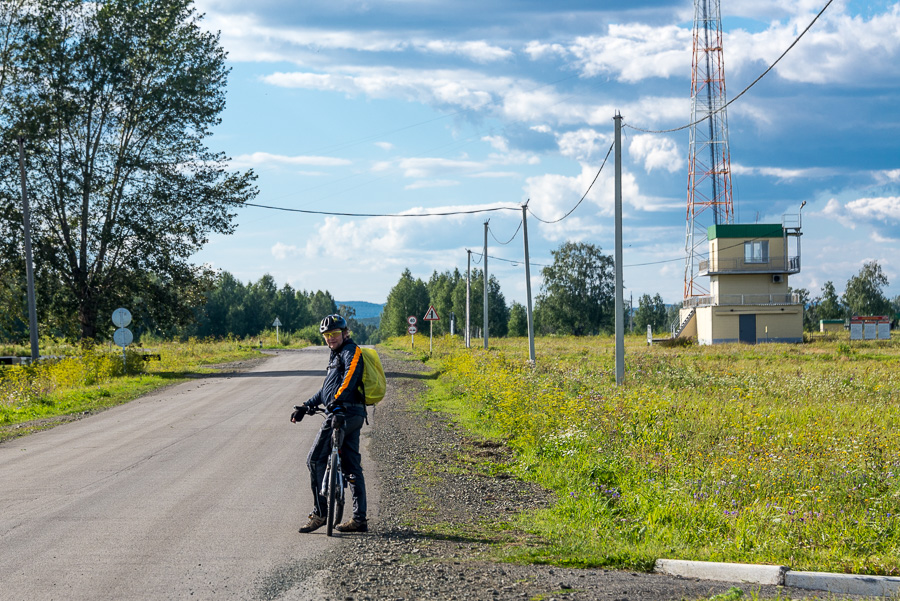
(773, 265)
(742, 299)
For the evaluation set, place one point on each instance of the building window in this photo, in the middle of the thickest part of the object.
(756, 251)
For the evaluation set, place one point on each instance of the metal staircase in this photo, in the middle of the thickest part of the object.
(677, 332)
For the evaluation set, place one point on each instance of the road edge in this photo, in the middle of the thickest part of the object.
(829, 582)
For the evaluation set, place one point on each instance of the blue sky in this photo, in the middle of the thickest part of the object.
(418, 106)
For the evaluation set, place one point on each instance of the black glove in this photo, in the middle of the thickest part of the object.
(299, 412)
(337, 421)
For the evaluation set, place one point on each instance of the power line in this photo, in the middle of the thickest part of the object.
(585, 193)
(508, 241)
(336, 214)
(753, 83)
(514, 262)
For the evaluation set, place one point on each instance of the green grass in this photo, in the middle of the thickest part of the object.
(85, 381)
(769, 454)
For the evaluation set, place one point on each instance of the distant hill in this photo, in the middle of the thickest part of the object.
(365, 312)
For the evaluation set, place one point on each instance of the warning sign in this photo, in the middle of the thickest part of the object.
(431, 315)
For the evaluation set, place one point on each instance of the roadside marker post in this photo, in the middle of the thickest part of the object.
(431, 316)
(276, 324)
(412, 329)
(121, 317)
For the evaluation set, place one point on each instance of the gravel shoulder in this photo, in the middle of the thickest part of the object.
(445, 508)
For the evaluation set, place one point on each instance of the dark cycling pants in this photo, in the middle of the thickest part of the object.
(351, 461)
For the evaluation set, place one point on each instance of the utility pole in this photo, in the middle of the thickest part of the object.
(528, 285)
(485, 285)
(620, 301)
(29, 263)
(468, 290)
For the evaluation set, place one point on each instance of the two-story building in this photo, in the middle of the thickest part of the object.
(749, 300)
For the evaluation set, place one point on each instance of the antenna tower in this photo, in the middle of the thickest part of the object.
(709, 200)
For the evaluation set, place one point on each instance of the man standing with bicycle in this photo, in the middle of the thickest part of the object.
(345, 406)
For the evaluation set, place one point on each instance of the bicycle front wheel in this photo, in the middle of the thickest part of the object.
(333, 492)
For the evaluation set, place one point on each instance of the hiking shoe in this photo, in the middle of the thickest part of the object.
(313, 523)
(353, 525)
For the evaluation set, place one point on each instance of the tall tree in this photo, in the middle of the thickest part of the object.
(864, 294)
(577, 292)
(440, 291)
(828, 305)
(651, 312)
(518, 320)
(498, 311)
(13, 304)
(321, 303)
(117, 98)
(408, 297)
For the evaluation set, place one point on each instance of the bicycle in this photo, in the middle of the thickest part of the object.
(334, 484)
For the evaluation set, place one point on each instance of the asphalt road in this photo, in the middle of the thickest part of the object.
(193, 492)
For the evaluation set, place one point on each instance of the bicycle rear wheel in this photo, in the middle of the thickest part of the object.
(333, 493)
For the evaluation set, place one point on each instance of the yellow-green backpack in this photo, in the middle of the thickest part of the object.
(374, 381)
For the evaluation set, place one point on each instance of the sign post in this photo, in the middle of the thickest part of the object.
(122, 337)
(412, 329)
(277, 324)
(431, 316)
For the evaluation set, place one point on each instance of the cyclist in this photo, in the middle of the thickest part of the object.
(344, 402)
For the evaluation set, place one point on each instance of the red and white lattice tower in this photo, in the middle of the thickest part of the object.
(709, 200)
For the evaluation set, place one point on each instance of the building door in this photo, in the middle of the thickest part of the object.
(747, 329)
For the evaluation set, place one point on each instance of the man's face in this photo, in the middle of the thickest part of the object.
(334, 339)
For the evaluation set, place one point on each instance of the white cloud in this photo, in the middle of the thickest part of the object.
(839, 48)
(584, 144)
(540, 50)
(466, 89)
(887, 176)
(783, 173)
(656, 152)
(883, 208)
(497, 142)
(833, 209)
(633, 52)
(384, 145)
(477, 51)
(265, 159)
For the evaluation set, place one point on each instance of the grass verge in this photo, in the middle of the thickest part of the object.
(770, 454)
(81, 382)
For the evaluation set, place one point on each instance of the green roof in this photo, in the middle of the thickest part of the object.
(745, 230)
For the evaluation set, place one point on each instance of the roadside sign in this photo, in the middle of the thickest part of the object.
(412, 329)
(123, 337)
(411, 320)
(121, 317)
(431, 315)
(276, 323)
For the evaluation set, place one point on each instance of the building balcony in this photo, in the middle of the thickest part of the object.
(718, 300)
(719, 266)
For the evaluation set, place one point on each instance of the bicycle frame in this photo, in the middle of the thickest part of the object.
(333, 483)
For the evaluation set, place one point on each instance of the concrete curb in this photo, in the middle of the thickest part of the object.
(733, 572)
(849, 584)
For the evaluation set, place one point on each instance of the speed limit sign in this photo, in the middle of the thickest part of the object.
(411, 320)
(412, 329)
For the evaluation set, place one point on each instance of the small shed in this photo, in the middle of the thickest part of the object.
(831, 325)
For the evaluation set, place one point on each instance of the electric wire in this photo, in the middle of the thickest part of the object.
(337, 214)
(608, 152)
(753, 83)
(516, 233)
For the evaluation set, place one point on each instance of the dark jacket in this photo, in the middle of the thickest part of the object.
(341, 390)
